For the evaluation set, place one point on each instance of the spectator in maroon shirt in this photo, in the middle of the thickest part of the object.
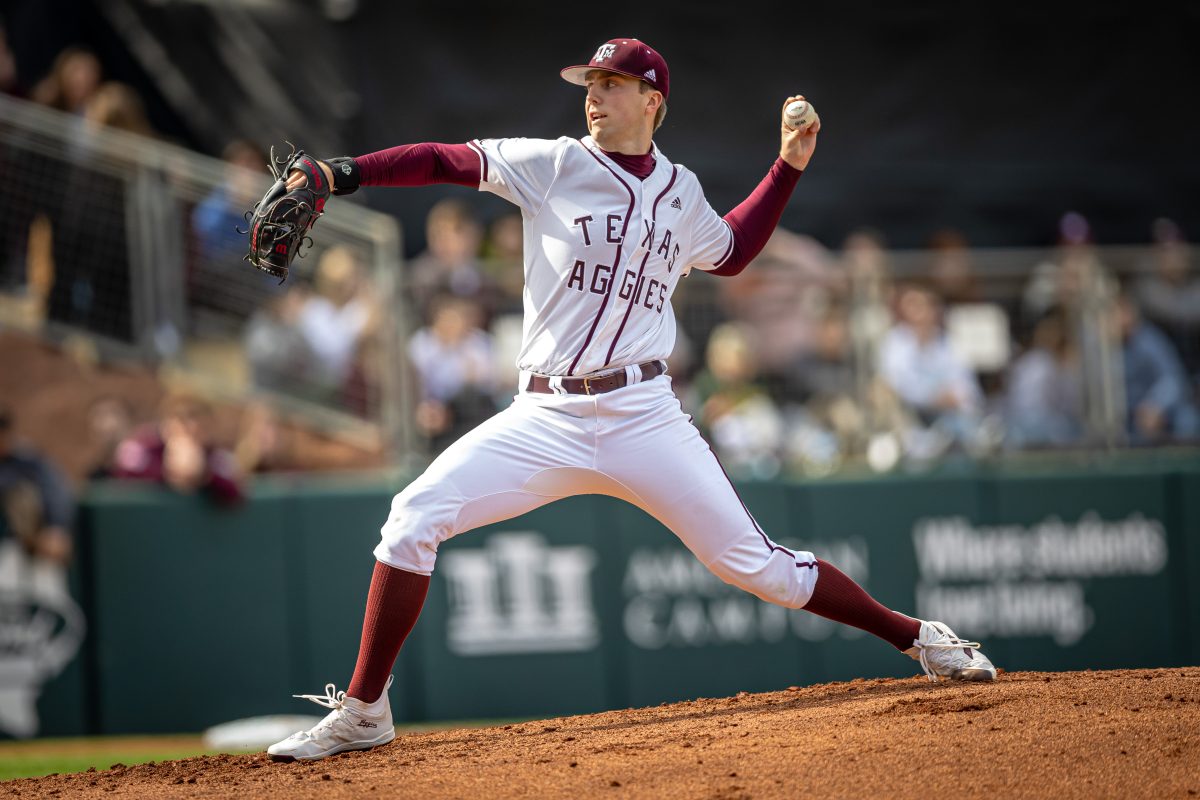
(179, 452)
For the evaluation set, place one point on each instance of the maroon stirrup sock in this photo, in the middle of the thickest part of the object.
(393, 605)
(838, 598)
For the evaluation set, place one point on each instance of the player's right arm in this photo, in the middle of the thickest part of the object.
(726, 245)
(423, 164)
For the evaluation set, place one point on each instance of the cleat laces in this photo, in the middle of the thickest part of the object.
(332, 699)
(944, 642)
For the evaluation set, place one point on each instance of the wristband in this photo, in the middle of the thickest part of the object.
(345, 174)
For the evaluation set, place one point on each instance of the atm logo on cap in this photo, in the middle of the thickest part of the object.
(605, 52)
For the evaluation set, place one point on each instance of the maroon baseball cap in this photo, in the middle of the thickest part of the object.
(627, 57)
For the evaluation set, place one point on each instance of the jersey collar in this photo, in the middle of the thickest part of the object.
(660, 161)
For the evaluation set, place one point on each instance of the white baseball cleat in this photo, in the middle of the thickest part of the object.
(944, 655)
(351, 725)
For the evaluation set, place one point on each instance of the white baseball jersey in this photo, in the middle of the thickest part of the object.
(604, 250)
(603, 253)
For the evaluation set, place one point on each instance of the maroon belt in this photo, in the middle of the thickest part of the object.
(605, 383)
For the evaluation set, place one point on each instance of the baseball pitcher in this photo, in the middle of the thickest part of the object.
(611, 226)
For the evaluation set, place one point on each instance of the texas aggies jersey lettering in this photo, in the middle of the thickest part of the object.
(604, 251)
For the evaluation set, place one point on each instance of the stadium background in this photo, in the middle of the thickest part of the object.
(993, 125)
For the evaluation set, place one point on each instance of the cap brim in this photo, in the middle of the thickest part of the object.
(576, 75)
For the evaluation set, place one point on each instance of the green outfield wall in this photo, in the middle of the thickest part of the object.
(199, 616)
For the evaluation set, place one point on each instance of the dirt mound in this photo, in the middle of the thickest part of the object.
(1126, 733)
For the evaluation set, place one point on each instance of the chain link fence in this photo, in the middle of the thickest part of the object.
(133, 243)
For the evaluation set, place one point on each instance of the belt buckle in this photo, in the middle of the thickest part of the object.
(587, 386)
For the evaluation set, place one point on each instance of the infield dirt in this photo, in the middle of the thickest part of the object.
(1124, 733)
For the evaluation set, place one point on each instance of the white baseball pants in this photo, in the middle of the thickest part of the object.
(633, 443)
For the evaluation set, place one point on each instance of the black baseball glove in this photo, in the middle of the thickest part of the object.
(279, 223)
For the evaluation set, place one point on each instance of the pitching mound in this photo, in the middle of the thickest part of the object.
(1127, 733)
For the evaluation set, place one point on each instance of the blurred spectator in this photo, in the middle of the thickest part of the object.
(977, 327)
(450, 263)
(1063, 280)
(831, 421)
(72, 83)
(951, 272)
(262, 444)
(735, 409)
(91, 259)
(1044, 403)
(1158, 395)
(219, 279)
(110, 420)
(118, 106)
(278, 352)
(1169, 293)
(504, 262)
(180, 452)
(826, 371)
(453, 361)
(217, 217)
(36, 507)
(865, 264)
(918, 364)
(792, 274)
(337, 317)
(866, 267)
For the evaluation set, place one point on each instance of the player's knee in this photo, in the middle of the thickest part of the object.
(421, 518)
(776, 576)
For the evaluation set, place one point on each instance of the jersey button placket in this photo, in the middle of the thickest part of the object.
(630, 258)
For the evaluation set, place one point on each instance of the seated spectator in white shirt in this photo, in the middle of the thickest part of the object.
(338, 316)
(918, 364)
(453, 360)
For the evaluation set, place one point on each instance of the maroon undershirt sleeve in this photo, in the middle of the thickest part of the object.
(755, 218)
(752, 222)
(420, 165)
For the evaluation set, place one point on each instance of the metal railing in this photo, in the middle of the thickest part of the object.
(132, 242)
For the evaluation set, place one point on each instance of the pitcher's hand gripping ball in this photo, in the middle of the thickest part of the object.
(281, 220)
(799, 114)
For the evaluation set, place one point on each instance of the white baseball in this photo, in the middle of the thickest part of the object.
(799, 114)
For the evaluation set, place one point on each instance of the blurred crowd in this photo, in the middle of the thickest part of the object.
(814, 359)
(820, 360)
(811, 361)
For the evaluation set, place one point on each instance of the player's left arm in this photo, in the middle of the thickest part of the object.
(753, 221)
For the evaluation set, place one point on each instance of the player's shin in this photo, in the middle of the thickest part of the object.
(839, 598)
(393, 604)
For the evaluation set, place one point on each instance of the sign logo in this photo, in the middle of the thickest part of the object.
(672, 601)
(1016, 580)
(651, 75)
(41, 629)
(520, 595)
(605, 52)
